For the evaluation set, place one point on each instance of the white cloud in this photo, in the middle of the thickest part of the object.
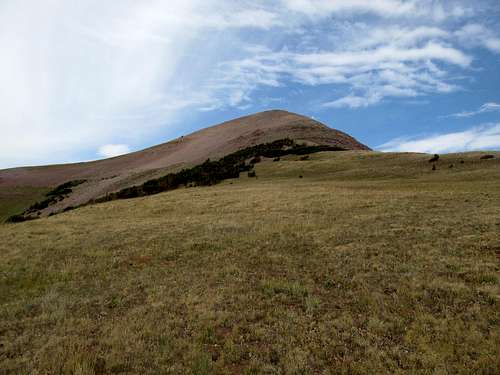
(436, 10)
(324, 7)
(110, 150)
(485, 137)
(352, 101)
(388, 53)
(487, 107)
(476, 35)
(372, 74)
(399, 36)
(77, 75)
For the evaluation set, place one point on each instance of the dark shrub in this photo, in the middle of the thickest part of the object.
(306, 157)
(434, 159)
(205, 174)
(41, 205)
(485, 157)
(65, 188)
(55, 195)
(212, 172)
(131, 192)
(18, 219)
(255, 160)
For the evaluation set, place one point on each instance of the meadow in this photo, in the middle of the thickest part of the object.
(345, 263)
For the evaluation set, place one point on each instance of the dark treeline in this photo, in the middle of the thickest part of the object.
(55, 195)
(213, 172)
(205, 174)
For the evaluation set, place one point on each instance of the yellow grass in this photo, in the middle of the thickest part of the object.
(371, 263)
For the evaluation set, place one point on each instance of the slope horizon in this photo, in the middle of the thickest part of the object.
(125, 175)
(272, 110)
(200, 130)
(108, 176)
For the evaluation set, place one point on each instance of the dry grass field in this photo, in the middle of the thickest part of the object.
(370, 263)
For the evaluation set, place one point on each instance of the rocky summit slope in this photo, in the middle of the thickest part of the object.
(109, 175)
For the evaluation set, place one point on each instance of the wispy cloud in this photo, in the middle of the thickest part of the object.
(352, 101)
(372, 74)
(384, 8)
(111, 150)
(77, 75)
(485, 108)
(485, 137)
(476, 35)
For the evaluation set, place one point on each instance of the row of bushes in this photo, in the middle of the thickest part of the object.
(64, 189)
(55, 195)
(213, 172)
(19, 218)
(205, 174)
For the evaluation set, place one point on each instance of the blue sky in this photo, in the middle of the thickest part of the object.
(91, 79)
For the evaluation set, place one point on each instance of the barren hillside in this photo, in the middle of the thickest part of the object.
(108, 175)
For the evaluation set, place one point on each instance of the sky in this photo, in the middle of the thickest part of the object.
(88, 79)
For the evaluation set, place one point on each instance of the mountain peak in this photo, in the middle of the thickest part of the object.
(109, 175)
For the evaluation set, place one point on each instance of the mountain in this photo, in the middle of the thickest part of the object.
(109, 175)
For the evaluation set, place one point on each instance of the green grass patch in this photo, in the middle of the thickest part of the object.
(14, 200)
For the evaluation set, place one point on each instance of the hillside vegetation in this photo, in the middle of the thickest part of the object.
(107, 176)
(345, 263)
(205, 174)
(17, 199)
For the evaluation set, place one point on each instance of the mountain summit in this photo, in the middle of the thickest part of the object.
(109, 175)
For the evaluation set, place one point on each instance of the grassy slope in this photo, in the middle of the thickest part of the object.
(15, 200)
(371, 263)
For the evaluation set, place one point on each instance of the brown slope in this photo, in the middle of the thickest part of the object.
(115, 173)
